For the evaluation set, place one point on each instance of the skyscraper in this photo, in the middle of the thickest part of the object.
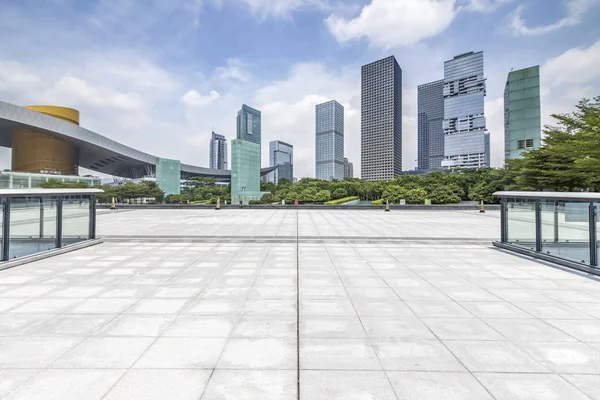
(348, 169)
(330, 141)
(431, 125)
(522, 112)
(245, 157)
(466, 140)
(282, 155)
(218, 152)
(381, 120)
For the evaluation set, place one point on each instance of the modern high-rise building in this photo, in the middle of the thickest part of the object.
(281, 154)
(381, 120)
(218, 152)
(348, 169)
(245, 157)
(330, 141)
(522, 112)
(430, 125)
(466, 140)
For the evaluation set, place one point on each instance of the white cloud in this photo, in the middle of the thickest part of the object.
(392, 23)
(575, 9)
(195, 99)
(16, 77)
(485, 5)
(282, 8)
(80, 91)
(235, 70)
(577, 65)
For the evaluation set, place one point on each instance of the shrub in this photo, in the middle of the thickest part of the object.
(377, 202)
(416, 196)
(339, 194)
(442, 194)
(342, 201)
(253, 202)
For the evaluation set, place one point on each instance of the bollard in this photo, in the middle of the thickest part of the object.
(218, 207)
(481, 208)
(113, 204)
(387, 206)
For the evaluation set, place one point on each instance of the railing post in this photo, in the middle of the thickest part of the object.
(92, 217)
(556, 222)
(6, 229)
(41, 217)
(593, 238)
(538, 226)
(59, 221)
(503, 220)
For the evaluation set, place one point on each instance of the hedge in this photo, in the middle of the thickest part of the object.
(342, 201)
(377, 202)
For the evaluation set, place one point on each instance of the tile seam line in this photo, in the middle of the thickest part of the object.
(298, 304)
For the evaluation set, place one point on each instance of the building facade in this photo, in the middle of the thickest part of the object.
(245, 157)
(281, 154)
(466, 140)
(218, 152)
(522, 112)
(381, 120)
(430, 125)
(330, 141)
(348, 169)
(168, 175)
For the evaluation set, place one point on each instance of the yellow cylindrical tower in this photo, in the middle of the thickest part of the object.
(38, 152)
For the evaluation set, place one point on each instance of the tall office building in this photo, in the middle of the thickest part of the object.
(466, 140)
(381, 120)
(245, 157)
(281, 154)
(218, 151)
(430, 125)
(348, 169)
(330, 141)
(522, 112)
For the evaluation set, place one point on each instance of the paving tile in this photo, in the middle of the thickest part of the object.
(529, 330)
(416, 355)
(192, 325)
(461, 329)
(160, 384)
(437, 385)
(70, 325)
(395, 309)
(185, 353)
(157, 306)
(327, 307)
(133, 325)
(33, 352)
(489, 310)
(588, 384)
(10, 379)
(331, 327)
(339, 354)
(445, 309)
(67, 384)
(529, 387)
(266, 327)
(103, 306)
(584, 330)
(384, 328)
(104, 352)
(252, 385)
(483, 356)
(259, 353)
(567, 358)
(344, 385)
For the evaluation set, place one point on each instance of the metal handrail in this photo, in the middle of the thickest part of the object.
(569, 196)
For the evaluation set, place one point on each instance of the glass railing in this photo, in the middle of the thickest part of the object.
(555, 226)
(38, 220)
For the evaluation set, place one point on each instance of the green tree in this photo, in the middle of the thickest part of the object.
(339, 194)
(442, 194)
(322, 196)
(416, 196)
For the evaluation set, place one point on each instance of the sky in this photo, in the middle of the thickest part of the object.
(160, 75)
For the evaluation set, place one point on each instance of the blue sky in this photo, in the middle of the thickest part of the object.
(158, 75)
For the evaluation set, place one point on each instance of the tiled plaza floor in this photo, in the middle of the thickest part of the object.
(176, 319)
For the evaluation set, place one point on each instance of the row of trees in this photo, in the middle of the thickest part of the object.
(569, 160)
(127, 192)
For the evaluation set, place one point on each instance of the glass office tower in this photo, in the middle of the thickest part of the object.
(522, 112)
(168, 175)
(381, 120)
(348, 169)
(466, 140)
(245, 157)
(430, 125)
(218, 152)
(330, 141)
(281, 154)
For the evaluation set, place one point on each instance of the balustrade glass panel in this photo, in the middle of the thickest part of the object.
(26, 228)
(75, 219)
(566, 230)
(521, 222)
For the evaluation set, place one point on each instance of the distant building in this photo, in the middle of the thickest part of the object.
(466, 140)
(430, 125)
(245, 157)
(330, 141)
(281, 154)
(218, 152)
(381, 120)
(522, 112)
(348, 169)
